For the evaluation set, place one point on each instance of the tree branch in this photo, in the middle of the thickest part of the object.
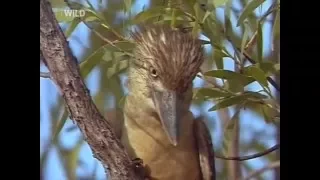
(64, 71)
(262, 170)
(244, 158)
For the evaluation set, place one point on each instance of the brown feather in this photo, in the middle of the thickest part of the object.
(205, 148)
(177, 56)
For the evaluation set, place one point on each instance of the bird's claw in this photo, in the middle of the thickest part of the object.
(139, 168)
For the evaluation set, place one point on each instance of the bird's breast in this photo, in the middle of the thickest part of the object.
(165, 161)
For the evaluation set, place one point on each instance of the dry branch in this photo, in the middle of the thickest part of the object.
(244, 158)
(64, 72)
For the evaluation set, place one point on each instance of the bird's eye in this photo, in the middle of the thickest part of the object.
(153, 72)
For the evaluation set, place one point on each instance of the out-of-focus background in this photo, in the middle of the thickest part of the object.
(63, 153)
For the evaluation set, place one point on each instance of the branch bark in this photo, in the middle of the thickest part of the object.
(65, 73)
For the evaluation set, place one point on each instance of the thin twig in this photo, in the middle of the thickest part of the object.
(251, 41)
(262, 170)
(244, 158)
(106, 40)
(271, 81)
(44, 74)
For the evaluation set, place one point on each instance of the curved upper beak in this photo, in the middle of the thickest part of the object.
(166, 103)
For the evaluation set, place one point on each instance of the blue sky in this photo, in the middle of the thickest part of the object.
(48, 96)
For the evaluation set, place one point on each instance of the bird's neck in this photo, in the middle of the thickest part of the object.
(140, 115)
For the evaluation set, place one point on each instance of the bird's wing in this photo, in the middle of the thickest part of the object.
(205, 149)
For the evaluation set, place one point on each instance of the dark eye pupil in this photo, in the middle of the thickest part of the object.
(154, 71)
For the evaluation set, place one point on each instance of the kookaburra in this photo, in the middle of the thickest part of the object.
(158, 126)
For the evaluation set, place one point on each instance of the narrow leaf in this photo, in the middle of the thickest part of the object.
(62, 17)
(227, 13)
(213, 92)
(218, 3)
(276, 26)
(268, 113)
(88, 64)
(260, 42)
(127, 5)
(248, 9)
(148, 14)
(218, 58)
(258, 75)
(60, 125)
(117, 68)
(73, 159)
(227, 74)
(72, 26)
(58, 4)
(267, 67)
(92, 12)
(205, 16)
(229, 132)
(277, 67)
(244, 39)
(240, 99)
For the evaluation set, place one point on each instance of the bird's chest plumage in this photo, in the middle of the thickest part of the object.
(165, 161)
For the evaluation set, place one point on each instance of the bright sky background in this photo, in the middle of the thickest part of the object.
(48, 96)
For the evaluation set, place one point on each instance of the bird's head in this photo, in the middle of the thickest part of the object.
(166, 62)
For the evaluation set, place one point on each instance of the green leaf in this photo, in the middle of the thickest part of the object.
(62, 17)
(72, 26)
(75, 5)
(248, 9)
(235, 85)
(213, 92)
(73, 159)
(174, 18)
(260, 42)
(90, 18)
(89, 63)
(277, 67)
(218, 3)
(205, 16)
(267, 67)
(227, 74)
(268, 113)
(127, 4)
(239, 99)
(258, 75)
(60, 125)
(276, 25)
(109, 55)
(94, 13)
(148, 14)
(227, 13)
(244, 39)
(57, 4)
(118, 68)
(218, 58)
(229, 132)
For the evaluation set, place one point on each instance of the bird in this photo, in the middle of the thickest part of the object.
(158, 126)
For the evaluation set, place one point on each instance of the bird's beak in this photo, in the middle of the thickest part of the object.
(166, 104)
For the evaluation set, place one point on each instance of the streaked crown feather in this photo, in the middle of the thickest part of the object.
(175, 55)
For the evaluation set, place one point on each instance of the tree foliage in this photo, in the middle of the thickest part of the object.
(234, 34)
